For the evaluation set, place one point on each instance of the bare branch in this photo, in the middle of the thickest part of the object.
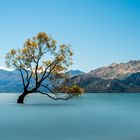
(23, 81)
(56, 98)
(28, 82)
(49, 89)
(26, 71)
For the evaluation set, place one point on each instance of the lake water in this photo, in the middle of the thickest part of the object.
(90, 117)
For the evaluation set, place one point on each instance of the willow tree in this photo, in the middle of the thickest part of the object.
(41, 63)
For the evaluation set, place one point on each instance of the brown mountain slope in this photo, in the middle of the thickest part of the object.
(116, 78)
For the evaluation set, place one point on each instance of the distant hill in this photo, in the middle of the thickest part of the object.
(10, 81)
(116, 78)
(73, 73)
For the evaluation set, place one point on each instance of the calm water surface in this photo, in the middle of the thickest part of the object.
(90, 117)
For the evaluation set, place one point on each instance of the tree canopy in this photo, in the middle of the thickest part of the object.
(43, 62)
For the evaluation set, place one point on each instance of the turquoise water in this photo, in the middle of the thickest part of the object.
(90, 117)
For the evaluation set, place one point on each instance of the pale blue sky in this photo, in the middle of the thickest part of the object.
(100, 31)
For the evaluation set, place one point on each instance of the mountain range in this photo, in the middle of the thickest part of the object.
(115, 78)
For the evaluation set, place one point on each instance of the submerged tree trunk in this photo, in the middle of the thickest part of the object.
(21, 98)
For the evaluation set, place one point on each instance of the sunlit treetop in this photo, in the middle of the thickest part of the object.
(42, 50)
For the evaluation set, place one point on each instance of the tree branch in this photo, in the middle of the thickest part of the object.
(23, 81)
(57, 98)
(28, 82)
(49, 89)
(27, 74)
(44, 77)
(46, 70)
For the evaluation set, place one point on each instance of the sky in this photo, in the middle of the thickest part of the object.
(101, 32)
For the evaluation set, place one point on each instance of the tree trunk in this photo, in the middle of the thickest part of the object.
(20, 99)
